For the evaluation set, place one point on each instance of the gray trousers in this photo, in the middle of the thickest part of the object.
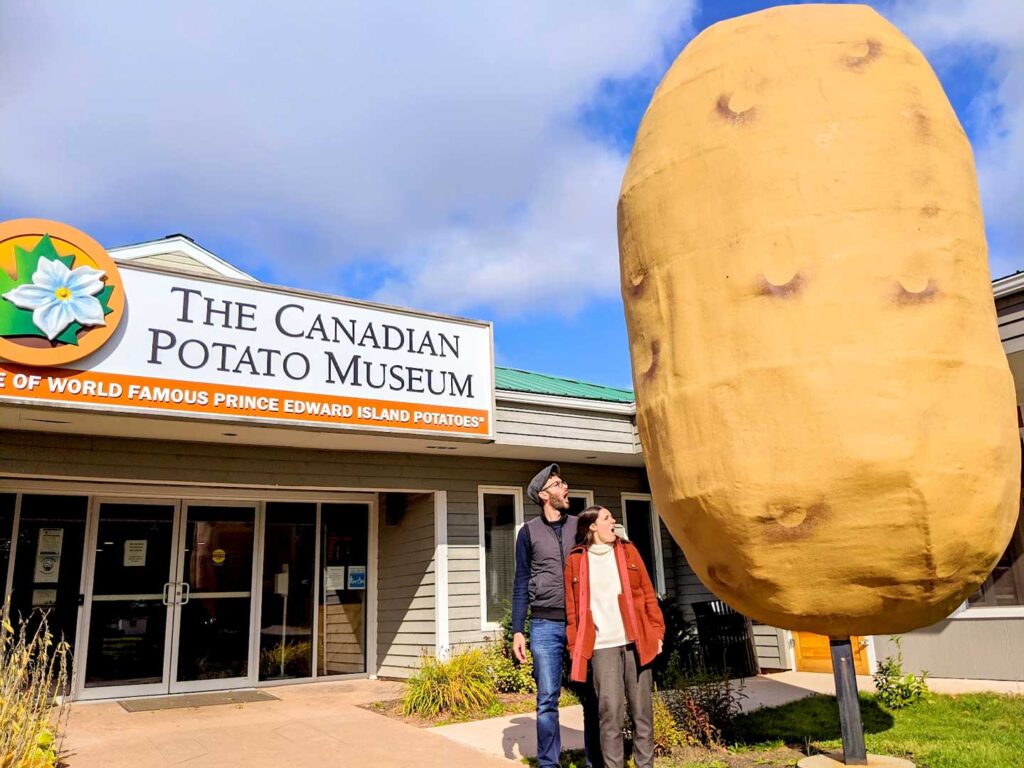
(617, 675)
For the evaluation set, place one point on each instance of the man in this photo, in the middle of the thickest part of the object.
(542, 547)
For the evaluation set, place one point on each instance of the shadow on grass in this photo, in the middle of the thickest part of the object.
(815, 718)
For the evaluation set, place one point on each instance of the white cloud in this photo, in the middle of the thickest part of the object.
(948, 29)
(561, 252)
(440, 140)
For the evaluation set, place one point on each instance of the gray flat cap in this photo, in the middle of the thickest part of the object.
(539, 481)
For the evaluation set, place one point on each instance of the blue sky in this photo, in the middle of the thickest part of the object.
(455, 157)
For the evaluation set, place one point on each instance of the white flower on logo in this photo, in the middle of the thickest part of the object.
(59, 296)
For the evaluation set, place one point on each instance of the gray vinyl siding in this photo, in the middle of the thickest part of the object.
(537, 425)
(974, 648)
(688, 588)
(405, 588)
(769, 642)
(1010, 311)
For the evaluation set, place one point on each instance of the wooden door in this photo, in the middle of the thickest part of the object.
(814, 655)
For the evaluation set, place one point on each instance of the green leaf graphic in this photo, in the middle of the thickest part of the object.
(15, 321)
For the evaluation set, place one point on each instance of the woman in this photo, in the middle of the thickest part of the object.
(613, 621)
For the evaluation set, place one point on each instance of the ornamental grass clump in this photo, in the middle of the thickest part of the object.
(34, 683)
(456, 686)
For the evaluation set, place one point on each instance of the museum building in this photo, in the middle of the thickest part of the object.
(245, 485)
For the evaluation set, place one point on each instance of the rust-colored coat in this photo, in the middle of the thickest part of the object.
(641, 616)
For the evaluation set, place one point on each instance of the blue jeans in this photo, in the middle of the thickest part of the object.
(547, 644)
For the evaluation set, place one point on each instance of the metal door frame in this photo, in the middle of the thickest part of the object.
(88, 583)
(220, 683)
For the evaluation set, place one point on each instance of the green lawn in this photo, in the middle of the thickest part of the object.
(970, 731)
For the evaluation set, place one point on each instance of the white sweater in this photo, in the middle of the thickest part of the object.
(605, 589)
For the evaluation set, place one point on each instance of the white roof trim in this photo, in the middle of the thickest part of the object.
(1007, 285)
(558, 401)
(184, 246)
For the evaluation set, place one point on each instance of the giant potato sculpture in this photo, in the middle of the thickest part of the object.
(825, 407)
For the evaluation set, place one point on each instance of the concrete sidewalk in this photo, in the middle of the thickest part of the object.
(322, 724)
(515, 736)
(318, 724)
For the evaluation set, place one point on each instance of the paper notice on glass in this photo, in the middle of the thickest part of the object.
(357, 577)
(134, 553)
(334, 577)
(48, 548)
(44, 598)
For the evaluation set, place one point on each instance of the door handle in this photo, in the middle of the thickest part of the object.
(186, 593)
(165, 598)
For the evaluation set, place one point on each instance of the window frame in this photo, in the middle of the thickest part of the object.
(655, 523)
(497, 490)
(587, 496)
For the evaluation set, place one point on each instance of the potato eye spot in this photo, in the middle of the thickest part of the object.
(784, 290)
(736, 108)
(650, 367)
(862, 53)
(912, 292)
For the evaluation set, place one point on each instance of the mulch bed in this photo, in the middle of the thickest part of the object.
(782, 757)
(508, 704)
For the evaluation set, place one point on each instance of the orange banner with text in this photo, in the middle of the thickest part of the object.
(144, 393)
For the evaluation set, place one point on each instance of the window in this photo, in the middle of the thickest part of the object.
(286, 615)
(344, 564)
(580, 500)
(501, 516)
(644, 529)
(1005, 586)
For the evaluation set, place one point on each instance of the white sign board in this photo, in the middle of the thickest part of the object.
(195, 347)
(135, 553)
(334, 577)
(48, 549)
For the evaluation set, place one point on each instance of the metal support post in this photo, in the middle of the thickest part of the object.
(854, 752)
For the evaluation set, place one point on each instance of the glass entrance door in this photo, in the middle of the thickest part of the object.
(214, 609)
(169, 598)
(131, 599)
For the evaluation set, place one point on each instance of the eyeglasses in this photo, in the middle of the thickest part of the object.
(556, 484)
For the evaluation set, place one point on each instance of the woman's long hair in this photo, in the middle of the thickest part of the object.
(586, 518)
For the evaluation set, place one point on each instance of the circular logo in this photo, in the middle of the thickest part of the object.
(219, 556)
(61, 296)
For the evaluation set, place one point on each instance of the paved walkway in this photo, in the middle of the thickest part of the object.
(321, 724)
(312, 725)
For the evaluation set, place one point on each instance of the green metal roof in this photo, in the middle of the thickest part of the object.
(512, 380)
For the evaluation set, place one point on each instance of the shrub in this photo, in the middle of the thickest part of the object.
(895, 689)
(704, 706)
(681, 652)
(667, 733)
(509, 675)
(506, 628)
(33, 690)
(456, 686)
